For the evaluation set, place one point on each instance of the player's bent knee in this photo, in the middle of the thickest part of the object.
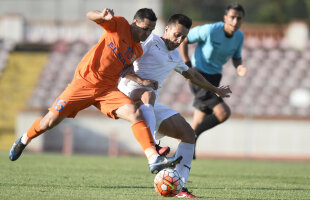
(148, 97)
(222, 112)
(138, 115)
(226, 113)
(134, 113)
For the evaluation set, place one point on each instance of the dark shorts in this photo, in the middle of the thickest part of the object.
(205, 100)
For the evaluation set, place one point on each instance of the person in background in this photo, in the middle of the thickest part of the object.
(216, 44)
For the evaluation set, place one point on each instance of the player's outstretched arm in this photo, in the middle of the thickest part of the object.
(196, 78)
(99, 17)
(131, 75)
(184, 52)
(241, 69)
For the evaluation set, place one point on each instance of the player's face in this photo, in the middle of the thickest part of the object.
(142, 29)
(174, 35)
(233, 20)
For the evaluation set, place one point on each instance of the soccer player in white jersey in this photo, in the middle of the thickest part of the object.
(159, 58)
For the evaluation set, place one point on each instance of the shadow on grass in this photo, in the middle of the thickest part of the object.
(39, 186)
(148, 187)
(78, 186)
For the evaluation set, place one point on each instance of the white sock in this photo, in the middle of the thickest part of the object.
(24, 138)
(149, 116)
(153, 159)
(186, 150)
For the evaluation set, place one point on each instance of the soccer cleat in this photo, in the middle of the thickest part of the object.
(17, 149)
(163, 162)
(162, 151)
(186, 194)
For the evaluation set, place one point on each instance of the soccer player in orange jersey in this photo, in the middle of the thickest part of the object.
(95, 83)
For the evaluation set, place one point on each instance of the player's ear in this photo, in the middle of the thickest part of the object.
(166, 28)
(225, 17)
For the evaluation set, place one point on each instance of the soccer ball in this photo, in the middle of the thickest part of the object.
(168, 182)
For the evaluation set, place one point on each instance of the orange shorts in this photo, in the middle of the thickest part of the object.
(79, 95)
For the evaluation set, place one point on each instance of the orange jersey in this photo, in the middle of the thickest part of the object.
(115, 51)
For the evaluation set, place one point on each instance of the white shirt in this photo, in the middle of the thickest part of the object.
(157, 61)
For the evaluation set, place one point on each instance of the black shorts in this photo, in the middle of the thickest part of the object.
(205, 100)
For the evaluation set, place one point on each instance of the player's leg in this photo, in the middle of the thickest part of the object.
(203, 121)
(146, 98)
(38, 127)
(115, 104)
(143, 135)
(41, 125)
(210, 110)
(68, 104)
(176, 127)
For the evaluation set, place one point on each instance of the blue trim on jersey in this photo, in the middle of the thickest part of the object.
(214, 48)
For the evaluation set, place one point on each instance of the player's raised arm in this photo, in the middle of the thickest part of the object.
(196, 78)
(184, 52)
(99, 17)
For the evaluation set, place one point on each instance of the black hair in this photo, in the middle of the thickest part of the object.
(180, 19)
(147, 13)
(235, 6)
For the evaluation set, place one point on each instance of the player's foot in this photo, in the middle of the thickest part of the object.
(17, 149)
(186, 194)
(163, 162)
(162, 151)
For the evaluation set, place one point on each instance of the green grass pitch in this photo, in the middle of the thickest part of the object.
(54, 176)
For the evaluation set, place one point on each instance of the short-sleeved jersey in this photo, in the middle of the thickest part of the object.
(115, 50)
(214, 48)
(157, 61)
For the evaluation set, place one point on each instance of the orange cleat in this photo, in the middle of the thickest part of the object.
(186, 194)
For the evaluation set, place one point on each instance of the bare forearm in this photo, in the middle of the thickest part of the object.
(135, 78)
(99, 17)
(95, 16)
(197, 79)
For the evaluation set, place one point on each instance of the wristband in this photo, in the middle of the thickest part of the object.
(188, 63)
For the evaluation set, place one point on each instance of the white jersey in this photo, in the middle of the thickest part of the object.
(157, 61)
(156, 64)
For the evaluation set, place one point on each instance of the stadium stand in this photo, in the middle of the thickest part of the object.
(5, 48)
(17, 82)
(58, 72)
(275, 70)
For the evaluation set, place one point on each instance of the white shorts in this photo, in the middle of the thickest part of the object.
(126, 86)
(161, 112)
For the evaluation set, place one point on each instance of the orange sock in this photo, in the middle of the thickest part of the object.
(143, 135)
(34, 130)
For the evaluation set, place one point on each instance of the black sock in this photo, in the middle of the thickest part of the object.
(208, 122)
